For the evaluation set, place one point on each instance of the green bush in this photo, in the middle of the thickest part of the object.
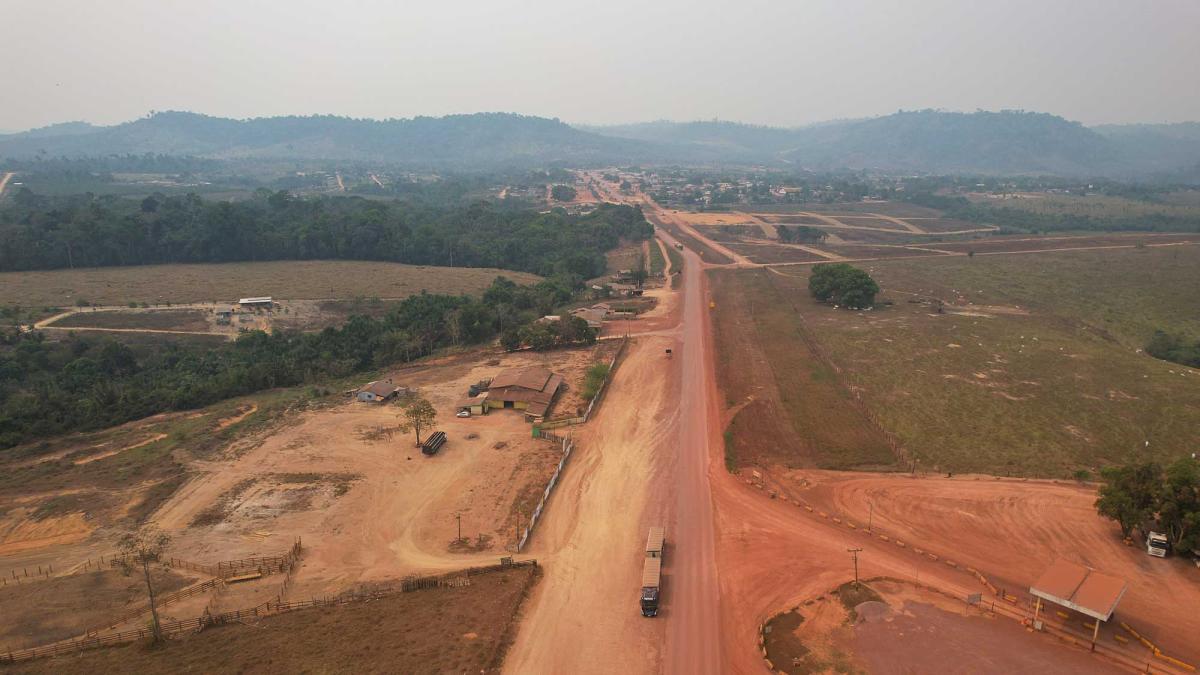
(843, 284)
(594, 379)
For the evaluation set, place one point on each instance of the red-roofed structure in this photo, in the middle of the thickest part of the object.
(1080, 588)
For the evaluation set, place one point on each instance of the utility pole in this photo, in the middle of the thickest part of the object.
(871, 517)
(458, 517)
(854, 552)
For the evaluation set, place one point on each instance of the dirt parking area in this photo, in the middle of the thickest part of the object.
(909, 630)
(1013, 530)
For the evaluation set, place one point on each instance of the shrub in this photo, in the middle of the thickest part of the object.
(593, 380)
(843, 284)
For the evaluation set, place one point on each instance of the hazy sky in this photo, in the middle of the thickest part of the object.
(783, 63)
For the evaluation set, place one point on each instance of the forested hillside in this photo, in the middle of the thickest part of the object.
(942, 142)
(40, 232)
(926, 140)
(457, 140)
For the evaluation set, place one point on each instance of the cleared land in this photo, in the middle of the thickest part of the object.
(463, 629)
(1032, 366)
(788, 407)
(778, 253)
(56, 494)
(306, 279)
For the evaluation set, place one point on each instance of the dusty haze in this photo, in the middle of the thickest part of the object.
(784, 63)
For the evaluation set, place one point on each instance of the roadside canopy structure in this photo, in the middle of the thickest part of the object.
(1080, 588)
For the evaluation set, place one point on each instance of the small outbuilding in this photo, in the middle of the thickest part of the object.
(378, 391)
(263, 302)
(593, 316)
(476, 405)
(1080, 588)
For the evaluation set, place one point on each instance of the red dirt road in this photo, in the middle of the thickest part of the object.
(693, 636)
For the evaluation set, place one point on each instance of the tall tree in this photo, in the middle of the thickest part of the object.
(419, 414)
(1129, 494)
(1179, 504)
(140, 551)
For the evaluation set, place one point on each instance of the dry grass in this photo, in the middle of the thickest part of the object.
(306, 279)
(165, 319)
(446, 630)
(795, 413)
(1097, 206)
(1034, 368)
(64, 607)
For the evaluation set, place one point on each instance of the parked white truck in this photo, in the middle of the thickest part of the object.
(1156, 544)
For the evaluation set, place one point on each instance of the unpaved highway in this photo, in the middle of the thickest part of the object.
(4, 182)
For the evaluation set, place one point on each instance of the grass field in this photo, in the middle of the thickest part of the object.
(1033, 368)
(227, 282)
(463, 629)
(657, 261)
(774, 253)
(791, 409)
(1098, 206)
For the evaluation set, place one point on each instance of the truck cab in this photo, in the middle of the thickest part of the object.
(650, 601)
(652, 571)
(1156, 544)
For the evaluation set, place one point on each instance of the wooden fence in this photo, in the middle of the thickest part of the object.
(162, 601)
(225, 569)
(267, 608)
(26, 575)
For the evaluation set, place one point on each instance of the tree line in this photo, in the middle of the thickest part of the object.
(44, 232)
(80, 383)
(1174, 348)
(1147, 497)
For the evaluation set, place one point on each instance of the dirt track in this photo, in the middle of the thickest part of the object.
(4, 182)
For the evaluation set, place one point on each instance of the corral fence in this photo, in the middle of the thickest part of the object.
(268, 608)
(225, 569)
(160, 602)
(540, 429)
(26, 575)
(568, 445)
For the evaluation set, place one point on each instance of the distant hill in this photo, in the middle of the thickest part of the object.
(936, 141)
(485, 138)
(919, 141)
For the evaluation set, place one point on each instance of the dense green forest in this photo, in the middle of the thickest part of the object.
(51, 387)
(1174, 348)
(43, 232)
